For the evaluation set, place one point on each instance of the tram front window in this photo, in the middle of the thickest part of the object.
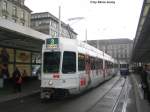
(69, 62)
(51, 62)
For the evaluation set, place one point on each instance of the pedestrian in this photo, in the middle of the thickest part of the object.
(17, 80)
(5, 74)
(144, 81)
(4, 56)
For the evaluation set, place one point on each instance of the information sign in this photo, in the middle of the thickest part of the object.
(52, 43)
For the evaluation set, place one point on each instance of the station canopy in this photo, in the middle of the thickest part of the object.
(16, 36)
(141, 45)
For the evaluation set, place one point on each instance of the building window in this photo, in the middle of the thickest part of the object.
(37, 23)
(125, 55)
(53, 33)
(53, 24)
(22, 14)
(40, 22)
(4, 10)
(22, 2)
(14, 12)
(50, 22)
(4, 6)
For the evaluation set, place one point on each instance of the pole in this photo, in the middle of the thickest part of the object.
(97, 42)
(59, 27)
(103, 63)
(103, 59)
(50, 28)
(86, 35)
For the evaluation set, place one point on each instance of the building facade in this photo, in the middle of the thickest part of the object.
(47, 23)
(15, 11)
(119, 49)
(15, 20)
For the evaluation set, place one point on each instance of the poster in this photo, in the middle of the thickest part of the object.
(23, 56)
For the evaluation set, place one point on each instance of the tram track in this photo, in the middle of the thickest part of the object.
(119, 84)
(123, 95)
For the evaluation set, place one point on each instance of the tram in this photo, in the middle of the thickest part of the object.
(70, 66)
(124, 69)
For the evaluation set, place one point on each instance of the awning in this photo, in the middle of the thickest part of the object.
(16, 36)
(141, 46)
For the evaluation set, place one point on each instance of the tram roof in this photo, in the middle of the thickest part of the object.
(141, 45)
(97, 52)
(16, 36)
(82, 47)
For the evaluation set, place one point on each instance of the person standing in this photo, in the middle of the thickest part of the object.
(17, 80)
(5, 74)
(4, 56)
(4, 60)
(144, 81)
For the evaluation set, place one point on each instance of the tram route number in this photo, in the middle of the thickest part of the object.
(52, 43)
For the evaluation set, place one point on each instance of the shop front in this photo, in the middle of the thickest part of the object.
(28, 63)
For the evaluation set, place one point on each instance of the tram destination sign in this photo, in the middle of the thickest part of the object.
(52, 43)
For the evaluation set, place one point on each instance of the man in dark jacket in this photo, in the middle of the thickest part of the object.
(144, 81)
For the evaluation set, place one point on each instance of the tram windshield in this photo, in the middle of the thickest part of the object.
(51, 62)
(69, 62)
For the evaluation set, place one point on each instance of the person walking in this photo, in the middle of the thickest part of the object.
(17, 80)
(144, 81)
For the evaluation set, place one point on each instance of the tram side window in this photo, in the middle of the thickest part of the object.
(81, 62)
(112, 65)
(97, 64)
(69, 62)
(106, 64)
(92, 63)
(100, 63)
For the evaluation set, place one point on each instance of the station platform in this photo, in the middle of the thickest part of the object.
(136, 101)
(29, 87)
(125, 96)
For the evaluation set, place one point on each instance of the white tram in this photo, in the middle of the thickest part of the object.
(71, 67)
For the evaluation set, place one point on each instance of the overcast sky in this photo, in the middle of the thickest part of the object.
(118, 19)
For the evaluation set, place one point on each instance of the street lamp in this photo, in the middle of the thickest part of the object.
(77, 19)
(59, 27)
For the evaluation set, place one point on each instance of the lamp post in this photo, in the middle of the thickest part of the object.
(77, 19)
(59, 27)
(86, 35)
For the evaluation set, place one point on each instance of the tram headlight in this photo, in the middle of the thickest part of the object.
(50, 82)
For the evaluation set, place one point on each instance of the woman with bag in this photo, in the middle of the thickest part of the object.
(17, 79)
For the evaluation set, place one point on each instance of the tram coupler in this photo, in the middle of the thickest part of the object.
(46, 93)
